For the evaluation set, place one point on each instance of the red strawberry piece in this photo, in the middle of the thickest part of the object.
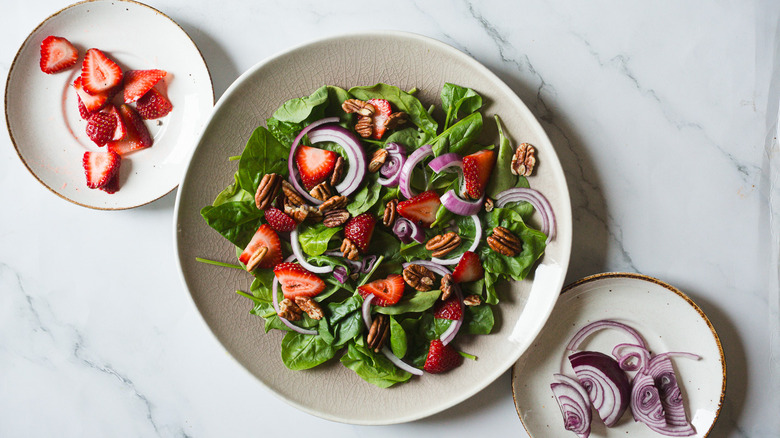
(279, 220)
(386, 291)
(101, 127)
(450, 308)
(121, 128)
(265, 236)
(421, 208)
(469, 268)
(296, 281)
(153, 105)
(139, 82)
(382, 112)
(91, 102)
(83, 112)
(476, 172)
(57, 54)
(314, 165)
(100, 167)
(359, 230)
(441, 358)
(112, 186)
(99, 73)
(137, 137)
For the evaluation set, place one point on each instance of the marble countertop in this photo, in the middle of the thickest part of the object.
(663, 115)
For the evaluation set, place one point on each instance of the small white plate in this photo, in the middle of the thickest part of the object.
(666, 318)
(42, 114)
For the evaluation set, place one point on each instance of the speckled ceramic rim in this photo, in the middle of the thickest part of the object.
(13, 64)
(607, 275)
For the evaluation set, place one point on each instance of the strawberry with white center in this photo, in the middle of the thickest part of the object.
(421, 208)
(99, 73)
(91, 102)
(469, 268)
(441, 358)
(477, 168)
(137, 137)
(379, 118)
(279, 220)
(100, 167)
(101, 128)
(57, 54)
(387, 291)
(314, 165)
(266, 237)
(121, 128)
(296, 281)
(359, 230)
(139, 82)
(153, 105)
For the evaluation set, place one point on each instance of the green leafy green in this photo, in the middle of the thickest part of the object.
(366, 197)
(236, 221)
(372, 367)
(397, 338)
(416, 302)
(478, 320)
(502, 177)
(263, 154)
(301, 352)
(299, 109)
(459, 137)
(314, 239)
(455, 99)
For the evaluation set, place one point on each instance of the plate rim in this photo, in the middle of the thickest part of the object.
(13, 65)
(635, 276)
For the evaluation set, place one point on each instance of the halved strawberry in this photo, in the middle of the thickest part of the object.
(469, 268)
(359, 230)
(112, 186)
(100, 167)
(57, 54)
(121, 128)
(265, 236)
(91, 102)
(441, 358)
(101, 127)
(137, 137)
(83, 111)
(279, 220)
(296, 281)
(314, 164)
(99, 73)
(387, 291)
(382, 112)
(153, 105)
(139, 82)
(451, 308)
(476, 172)
(421, 208)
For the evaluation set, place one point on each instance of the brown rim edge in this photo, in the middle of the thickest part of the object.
(8, 80)
(595, 277)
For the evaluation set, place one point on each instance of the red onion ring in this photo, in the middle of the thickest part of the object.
(406, 231)
(406, 171)
(662, 372)
(291, 159)
(539, 202)
(646, 405)
(446, 162)
(595, 326)
(367, 320)
(296, 249)
(631, 357)
(574, 404)
(391, 171)
(356, 156)
(459, 206)
(472, 248)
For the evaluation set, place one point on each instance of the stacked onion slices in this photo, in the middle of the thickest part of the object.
(603, 383)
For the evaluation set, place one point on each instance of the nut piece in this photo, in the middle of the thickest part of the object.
(377, 160)
(524, 160)
(322, 191)
(256, 258)
(442, 244)
(291, 194)
(419, 277)
(310, 307)
(488, 205)
(267, 190)
(334, 202)
(335, 218)
(390, 215)
(289, 310)
(301, 212)
(365, 126)
(472, 300)
(504, 242)
(358, 106)
(447, 284)
(378, 333)
(338, 172)
(349, 249)
(395, 120)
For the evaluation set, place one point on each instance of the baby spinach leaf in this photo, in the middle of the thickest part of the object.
(366, 197)
(236, 221)
(263, 154)
(284, 132)
(314, 239)
(458, 137)
(397, 338)
(384, 244)
(372, 367)
(415, 302)
(478, 320)
(299, 109)
(502, 178)
(455, 98)
(301, 352)
(232, 193)
(403, 101)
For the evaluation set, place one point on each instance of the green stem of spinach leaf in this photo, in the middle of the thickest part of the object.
(371, 272)
(413, 91)
(467, 356)
(246, 295)
(234, 158)
(216, 263)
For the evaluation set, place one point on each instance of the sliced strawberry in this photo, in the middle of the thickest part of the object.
(112, 186)
(382, 112)
(441, 358)
(57, 54)
(137, 137)
(83, 111)
(91, 102)
(139, 82)
(451, 308)
(387, 291)
(100, 167)
(476, 172)
(359, 230)
(265, 236)
(279, 220)
(121, 128)
(99, 73)
(101, 128)
(421, 208)
(314, 165)
(296, 281)
(153, 105)
(469, 268)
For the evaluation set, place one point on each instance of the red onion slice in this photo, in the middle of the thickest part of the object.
(367, 320)
(405, 183)
(296, 249)
(574, 404)
(452, 330)
(275, 300)
(447, 161)
(579, 337)
(472, 248)
(662, 372)
(607, 385)
(646, 404)
(539, 202)
(461, 207)
(631, 357)
(391, 171)
(406, 231)
(291, 159)
(356, 156)
(340, 274)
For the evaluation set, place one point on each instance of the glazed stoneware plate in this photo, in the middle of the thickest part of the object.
(42, 111)
(667, 319)
(331, 390)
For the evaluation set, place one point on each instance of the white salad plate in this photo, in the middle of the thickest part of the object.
(42, 114)
(330, 390)
(667, 319)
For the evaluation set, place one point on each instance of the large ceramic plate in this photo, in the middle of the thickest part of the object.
(666, 318)
(332, 391)
(42, 113)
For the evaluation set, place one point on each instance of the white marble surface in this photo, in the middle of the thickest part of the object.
(660, 113)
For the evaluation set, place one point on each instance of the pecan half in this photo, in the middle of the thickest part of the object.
(391, 214)
(524, 160)
(442, 244)
(335, 218)
(395, 120)
(377, 160)
(419, 277)
(365, 126)
(338, 172)
(289, 310)
(310, 307)
(256, 258)
(447, 283)
(349, 249)
(291, 194)
(301, 212)
(378, 333)
(334, 202)
(472, 300)
(267, 190)
(488, 205)
(504, 242)
(322, 191)
(358, 106)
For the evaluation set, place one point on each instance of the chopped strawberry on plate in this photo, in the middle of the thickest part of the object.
(57, 54)
(100, 167)
(139, 82)
(387, 291)
(153, 105)
(359, 230)
(469, 268)
(314, 165)
(99, 73)
(266, 237)
(137, 136)
(91, 102)
(477, 168)
(296, 281)
(441, 358)
(101, 127)
(421, 208)
(121, 128)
